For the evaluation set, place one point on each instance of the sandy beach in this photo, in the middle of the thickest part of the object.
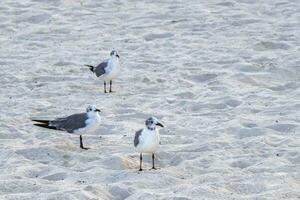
(223, 77)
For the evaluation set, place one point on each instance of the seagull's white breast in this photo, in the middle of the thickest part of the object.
(148, 141)
(112, 69)
(92, 123)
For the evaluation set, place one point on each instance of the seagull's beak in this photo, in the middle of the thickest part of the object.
(97, 110)
(159, 124)
(118, 56)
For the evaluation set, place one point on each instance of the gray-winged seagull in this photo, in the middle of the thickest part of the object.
(146, 140)
(81, 123)
(108, 69)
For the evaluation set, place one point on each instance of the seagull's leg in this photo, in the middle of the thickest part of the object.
(105, 87)
(81, 144)
(153, 161)
(141, 158)
(110, 85)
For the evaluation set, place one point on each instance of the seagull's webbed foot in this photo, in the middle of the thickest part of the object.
(85, 148)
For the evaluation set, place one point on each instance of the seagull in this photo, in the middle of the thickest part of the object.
(77, 123)
(108, 69)
(146, 140)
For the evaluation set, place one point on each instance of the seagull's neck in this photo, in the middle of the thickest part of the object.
(114, 58)
(92, 115)
(150, 128)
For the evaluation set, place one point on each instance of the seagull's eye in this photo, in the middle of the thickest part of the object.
(90, 109)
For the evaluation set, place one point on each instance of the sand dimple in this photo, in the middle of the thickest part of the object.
(263, 46)
(245, 132)
(37, 19)
(248, 188)
(282, 127)
(119, 192)
(203, 77)
(155, 36)
(22, 186)
(56, 177)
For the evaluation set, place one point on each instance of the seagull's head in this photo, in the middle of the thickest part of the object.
(152, 122)
(92, 109)
(114, 53)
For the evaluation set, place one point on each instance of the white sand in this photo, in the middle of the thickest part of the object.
(223, 76)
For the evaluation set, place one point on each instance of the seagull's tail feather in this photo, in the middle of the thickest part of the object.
(45, 126)
(41, 121)
(92, 68)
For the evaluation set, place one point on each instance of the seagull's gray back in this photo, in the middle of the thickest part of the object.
(70, 123)
(136, 138)
(100, 69)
